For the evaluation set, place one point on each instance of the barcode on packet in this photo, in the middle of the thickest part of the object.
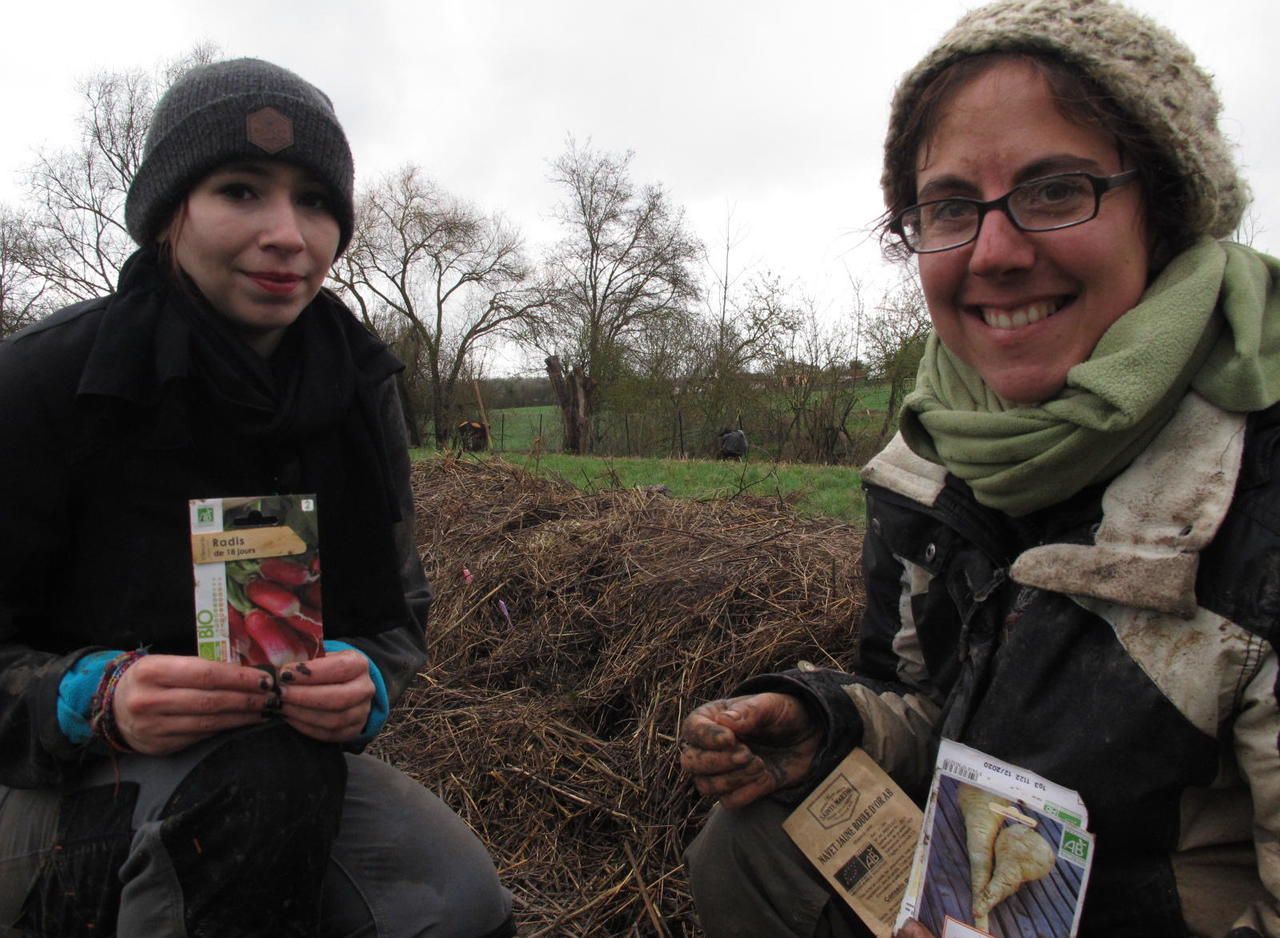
(951, 767)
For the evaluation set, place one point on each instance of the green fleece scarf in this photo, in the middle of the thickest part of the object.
(1210, 322)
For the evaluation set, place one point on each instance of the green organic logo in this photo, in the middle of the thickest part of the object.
(1066, 817)
(204, 515)
(210, 651)
(1074, 847)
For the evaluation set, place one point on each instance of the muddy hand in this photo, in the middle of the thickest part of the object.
(739, 749)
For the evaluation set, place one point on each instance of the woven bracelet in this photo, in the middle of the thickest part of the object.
(103, 721)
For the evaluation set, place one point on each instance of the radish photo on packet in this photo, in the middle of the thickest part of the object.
(256, 568)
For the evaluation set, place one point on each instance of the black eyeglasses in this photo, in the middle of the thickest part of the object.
(1044, 204)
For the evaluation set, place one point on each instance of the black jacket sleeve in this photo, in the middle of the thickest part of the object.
(400, 652)
(34, 506)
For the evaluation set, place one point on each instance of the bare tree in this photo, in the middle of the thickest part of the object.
(1250, 229)
(817, 387)
(78, 240)
(894, 343)
(21, 292)
(625, 262)
(434, 271)
(745, 334)
(661, 374)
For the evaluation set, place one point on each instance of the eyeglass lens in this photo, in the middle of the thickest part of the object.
(1039, 205)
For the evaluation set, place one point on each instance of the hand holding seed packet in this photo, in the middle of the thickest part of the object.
(257, 580)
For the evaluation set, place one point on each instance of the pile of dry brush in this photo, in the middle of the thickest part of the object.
(571, 634)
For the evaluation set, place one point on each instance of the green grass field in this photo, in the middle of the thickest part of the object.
(531, 437)
(517, 429)
(814, 491)
(875, 397)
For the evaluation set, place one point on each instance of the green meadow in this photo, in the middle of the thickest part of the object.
(813, 490)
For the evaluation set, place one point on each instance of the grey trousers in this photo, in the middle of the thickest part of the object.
(750, 881)
(402, 863)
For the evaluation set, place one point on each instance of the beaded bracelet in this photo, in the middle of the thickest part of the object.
(103, 721)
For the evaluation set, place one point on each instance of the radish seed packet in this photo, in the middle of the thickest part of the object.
(257, 579)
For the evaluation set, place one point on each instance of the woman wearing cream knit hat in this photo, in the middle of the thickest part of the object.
(1072, 555)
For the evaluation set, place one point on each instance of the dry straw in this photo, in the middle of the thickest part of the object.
(565, 658)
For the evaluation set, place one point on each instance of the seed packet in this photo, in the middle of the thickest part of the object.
(1003, 852)
(859, 829)
(257, 579)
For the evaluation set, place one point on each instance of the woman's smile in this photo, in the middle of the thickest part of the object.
(280, 284)
(1019, 315)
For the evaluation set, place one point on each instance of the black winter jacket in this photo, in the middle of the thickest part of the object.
(1121, 643)
(94, 484)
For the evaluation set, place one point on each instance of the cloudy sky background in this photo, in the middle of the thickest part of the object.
(768, 113)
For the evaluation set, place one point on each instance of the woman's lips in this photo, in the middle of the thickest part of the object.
(277, 284)
(1015, 317)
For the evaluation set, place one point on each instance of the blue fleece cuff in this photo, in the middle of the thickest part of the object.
(380, 709)
(75, 694)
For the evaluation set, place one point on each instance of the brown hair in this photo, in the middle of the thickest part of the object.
(168, 240)
(1081, 101)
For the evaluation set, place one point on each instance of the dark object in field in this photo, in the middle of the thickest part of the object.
(733, 444)
(472, 436)
(554, 736)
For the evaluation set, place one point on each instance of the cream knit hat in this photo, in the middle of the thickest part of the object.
(1151, 74)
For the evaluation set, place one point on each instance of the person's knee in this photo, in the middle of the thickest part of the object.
(58, 856)
(417, 866)
(747, 878)
(267, 783)
(478, 902)
(252, 823)
(738, 839)
(723, 858)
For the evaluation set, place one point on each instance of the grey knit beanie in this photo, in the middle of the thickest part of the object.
(241, 109)
(1151, 74)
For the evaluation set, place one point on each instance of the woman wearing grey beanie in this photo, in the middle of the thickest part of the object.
(1072, 556)
(145, 790)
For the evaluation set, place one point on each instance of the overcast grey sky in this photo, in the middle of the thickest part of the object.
(772, 111)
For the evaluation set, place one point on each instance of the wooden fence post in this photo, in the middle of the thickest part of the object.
(484, 420)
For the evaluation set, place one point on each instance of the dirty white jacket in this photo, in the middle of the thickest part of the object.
(1122, 643)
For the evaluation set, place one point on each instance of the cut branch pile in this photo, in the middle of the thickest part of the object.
(571, 634)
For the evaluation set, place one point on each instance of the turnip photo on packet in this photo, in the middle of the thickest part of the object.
(256, 564)
(1003, 852)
